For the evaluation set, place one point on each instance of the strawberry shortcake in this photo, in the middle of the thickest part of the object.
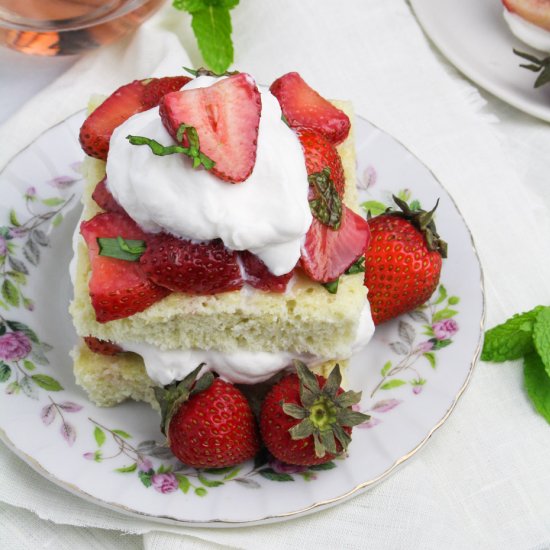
(219, 226)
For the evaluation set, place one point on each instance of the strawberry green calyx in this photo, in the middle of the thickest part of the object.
(324, 412)
(171, 397)
(536, 65)
(327, 207)
(423, 221)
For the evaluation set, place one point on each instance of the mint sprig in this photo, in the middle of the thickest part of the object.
(211, 24)
(536, 65)
(527, 336)
(193, 151)
(512, 339)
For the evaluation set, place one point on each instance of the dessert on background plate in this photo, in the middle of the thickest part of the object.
(529, 20)
(220, 245)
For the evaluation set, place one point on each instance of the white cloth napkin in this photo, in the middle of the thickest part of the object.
(483, 480)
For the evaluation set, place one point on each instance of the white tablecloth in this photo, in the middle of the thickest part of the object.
(483, 480)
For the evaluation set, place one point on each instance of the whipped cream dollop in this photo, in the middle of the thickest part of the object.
(240, 367)
(268, 214)
(527, 32)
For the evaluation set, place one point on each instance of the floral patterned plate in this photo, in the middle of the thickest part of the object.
(411, 374)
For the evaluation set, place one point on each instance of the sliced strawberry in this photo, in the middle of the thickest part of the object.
(103, 347)
(118, 288)
(226, 117)
(104, 199)
(327, 253)
(258, 275)
(194, 268)
(302, 106)
(320, 153)
(132, 98)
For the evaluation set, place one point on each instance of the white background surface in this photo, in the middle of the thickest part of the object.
(483, 480)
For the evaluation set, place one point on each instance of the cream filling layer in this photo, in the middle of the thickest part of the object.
(241, 367)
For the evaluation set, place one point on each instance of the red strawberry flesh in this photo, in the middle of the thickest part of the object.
(302, 106)
(105, 200)
(258, 275)
(103, 347)
(320, 153)
(327, 253)
(194, 268)
(226, 116)
(118, 288)
(128, 100)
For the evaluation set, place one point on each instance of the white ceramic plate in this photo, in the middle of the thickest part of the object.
(411, 374)
(473, 36)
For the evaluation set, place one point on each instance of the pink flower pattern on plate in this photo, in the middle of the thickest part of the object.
(14, 346)
(165, 482)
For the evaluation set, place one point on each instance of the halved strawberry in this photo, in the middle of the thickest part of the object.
(258, 275)
(118, 288)
(302, 106)
(104, 199)
(320, 153)
(194, 268)
(103, 347)
(226, 117)
(326, 253)
(132, 98)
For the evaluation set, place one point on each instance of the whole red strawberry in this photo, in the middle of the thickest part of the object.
(208, 424)
(306, 419)
(403, 261)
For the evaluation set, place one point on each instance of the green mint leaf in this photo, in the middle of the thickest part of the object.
(541, 337)
(373, 208)
(122, 249)
(537, 384)
(512, 339)
(327, 207)
(199, 159)
(357, 267)
(332, 286)
(212, 28)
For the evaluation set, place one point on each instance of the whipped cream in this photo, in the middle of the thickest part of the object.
(241, 367)
(268, 214)
(527, 32)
